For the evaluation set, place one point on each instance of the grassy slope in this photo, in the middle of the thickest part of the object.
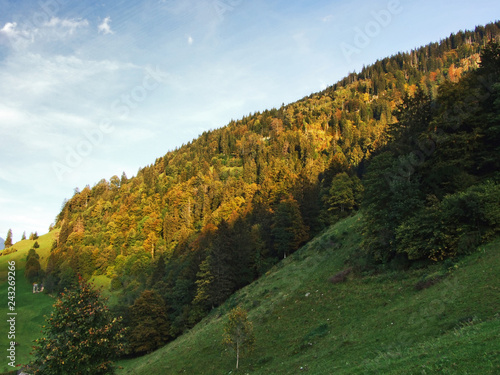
(30, 307)
(374, 324)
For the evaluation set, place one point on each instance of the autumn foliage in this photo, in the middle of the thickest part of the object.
(210, 217)
(80, 336)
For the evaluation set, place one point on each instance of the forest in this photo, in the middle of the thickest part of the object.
(412, 141)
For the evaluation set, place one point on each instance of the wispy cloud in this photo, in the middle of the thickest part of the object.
(12, 35)
(105, 26)
(67, 26)
(22, 36)
(190, 40)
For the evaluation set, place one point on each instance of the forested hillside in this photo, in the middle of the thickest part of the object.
(419, 128)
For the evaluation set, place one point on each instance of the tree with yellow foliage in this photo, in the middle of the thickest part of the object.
(238, 333)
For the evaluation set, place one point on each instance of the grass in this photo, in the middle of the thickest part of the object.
(30, 308)
(375, 324)
(103, 284)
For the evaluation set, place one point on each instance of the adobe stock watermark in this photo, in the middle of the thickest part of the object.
(49, 9)
(363, 36)
(223, 6)
(95, 137)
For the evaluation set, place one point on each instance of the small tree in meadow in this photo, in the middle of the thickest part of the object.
(238, 333)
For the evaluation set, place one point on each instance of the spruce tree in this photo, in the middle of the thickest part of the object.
(149, 323)
(8, 240)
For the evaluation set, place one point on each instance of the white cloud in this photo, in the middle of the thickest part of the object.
(104, 27)
(9, 29)
(21, 37)
(190, 40)
(67, 26)
(11, 34)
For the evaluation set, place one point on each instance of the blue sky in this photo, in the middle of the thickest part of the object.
(91, 89)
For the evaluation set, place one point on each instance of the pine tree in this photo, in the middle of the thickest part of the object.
(150, 326)
(81, 336)
(288, 228)
(8, 240)
(23, 236)
(32, 267)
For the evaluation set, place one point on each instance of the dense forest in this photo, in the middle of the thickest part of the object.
(412, 139)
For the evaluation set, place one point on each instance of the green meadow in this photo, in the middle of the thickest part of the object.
(30, 308)
(440, 318)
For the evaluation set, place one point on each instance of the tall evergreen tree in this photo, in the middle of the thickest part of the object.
(288, 229)
(150, 328)
(8, 239)
(32, 268)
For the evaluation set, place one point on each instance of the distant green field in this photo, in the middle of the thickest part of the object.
(370, 324)
(30, 308)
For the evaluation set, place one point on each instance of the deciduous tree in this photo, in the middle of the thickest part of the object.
(80, 337)
(238, 333)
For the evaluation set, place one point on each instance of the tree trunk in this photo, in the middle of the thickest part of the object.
(237, 354)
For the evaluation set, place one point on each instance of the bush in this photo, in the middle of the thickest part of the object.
(454, 226)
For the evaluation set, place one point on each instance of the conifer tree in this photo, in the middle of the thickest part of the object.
(32, 268)
(288, 228)
(149, 321)
(8, 240)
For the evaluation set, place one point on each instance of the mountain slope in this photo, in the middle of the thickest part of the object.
(264, 184)
(216, 214)
(372, 323)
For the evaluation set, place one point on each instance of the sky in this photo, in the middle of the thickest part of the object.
(92, 89)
